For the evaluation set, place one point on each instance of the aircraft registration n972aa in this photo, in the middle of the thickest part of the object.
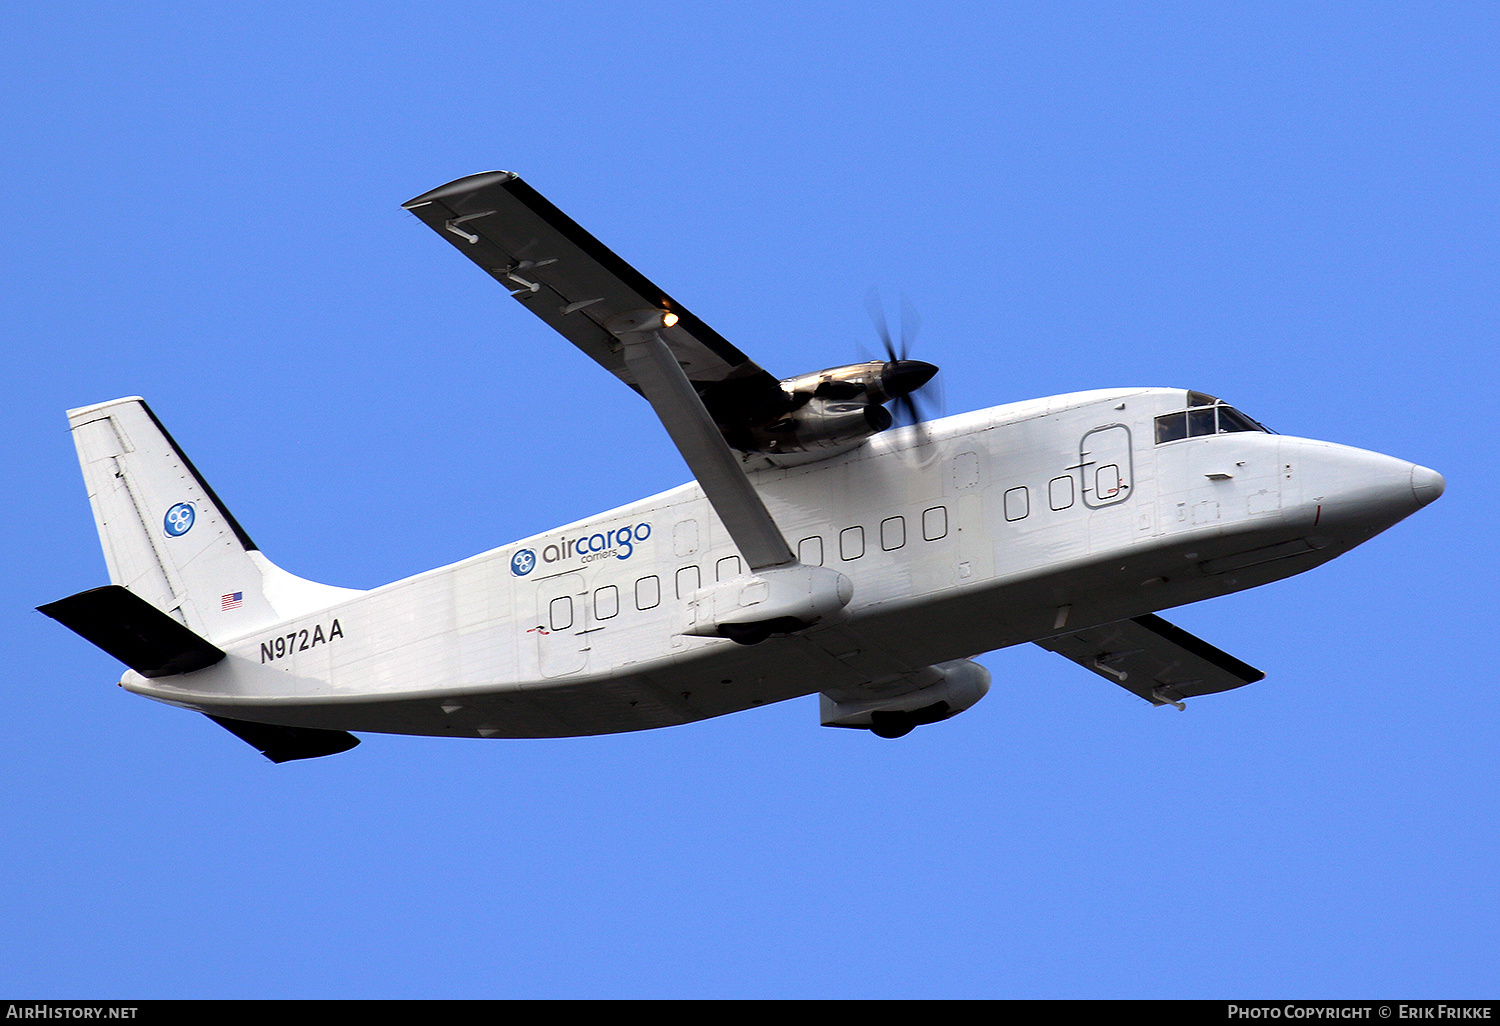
(820, 548)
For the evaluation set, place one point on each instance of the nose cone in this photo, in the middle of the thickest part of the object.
(1357, 493)
(1426, 484)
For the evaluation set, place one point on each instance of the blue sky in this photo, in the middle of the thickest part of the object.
(1292, 206)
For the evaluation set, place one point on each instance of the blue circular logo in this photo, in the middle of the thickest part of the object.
(522, 563)
(179, 520)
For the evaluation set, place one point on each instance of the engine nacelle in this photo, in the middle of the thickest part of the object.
(958, 684)
(822, 426)
(829, 411)
(751, 607)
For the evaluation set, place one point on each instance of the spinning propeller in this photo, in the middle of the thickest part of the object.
(903, 378)
(829, 411)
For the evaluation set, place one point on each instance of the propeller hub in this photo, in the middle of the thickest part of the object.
(903, 377)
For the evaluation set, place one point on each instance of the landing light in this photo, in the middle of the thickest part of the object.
(644, 320)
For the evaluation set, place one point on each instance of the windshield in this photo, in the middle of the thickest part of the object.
(1206, 416)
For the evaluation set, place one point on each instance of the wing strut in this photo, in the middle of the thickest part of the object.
(676, 402)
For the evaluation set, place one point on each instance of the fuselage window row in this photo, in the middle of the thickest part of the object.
(1017, 506)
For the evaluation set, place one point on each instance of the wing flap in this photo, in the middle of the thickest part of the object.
(1154, 659)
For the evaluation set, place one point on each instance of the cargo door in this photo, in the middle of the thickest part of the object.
(561, 626)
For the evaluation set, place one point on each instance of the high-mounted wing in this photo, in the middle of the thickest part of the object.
(695, 380)
(581, 288)
(1154, 659)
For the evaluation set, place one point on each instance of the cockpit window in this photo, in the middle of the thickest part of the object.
(1231, 419)
(1171, 427)
(1209, 416)
(1201, 422)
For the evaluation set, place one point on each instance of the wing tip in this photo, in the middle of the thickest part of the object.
(466, 184)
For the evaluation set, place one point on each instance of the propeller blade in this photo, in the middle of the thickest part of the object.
(911, 323)
(908, 413)
(903, 378)
(876, 309)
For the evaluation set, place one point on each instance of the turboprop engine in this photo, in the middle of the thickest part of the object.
(953, 687)
(833, 410)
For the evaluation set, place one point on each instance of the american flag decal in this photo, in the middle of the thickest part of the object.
(233, 600)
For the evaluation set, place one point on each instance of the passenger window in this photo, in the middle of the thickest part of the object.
(1017, 503)
(810, 551)
(1107, 482)
(688, 580)
(935, 523)
(1170, 428)
(648, 592)
(560, 613)
(606, 602)
(852, 542)
(892, 533)
(1060, 492)
(726, 568)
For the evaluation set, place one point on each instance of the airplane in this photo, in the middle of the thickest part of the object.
(820, 549)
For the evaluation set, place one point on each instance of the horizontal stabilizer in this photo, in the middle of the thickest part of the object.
(134, 631)
(1154, 659)
(286, 744)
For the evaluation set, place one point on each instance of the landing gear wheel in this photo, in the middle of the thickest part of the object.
(892, 725)
(745, 633)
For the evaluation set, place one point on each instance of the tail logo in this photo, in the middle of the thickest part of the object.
(523, 562)
(179, 520)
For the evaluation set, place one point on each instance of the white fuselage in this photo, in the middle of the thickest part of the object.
(1007, 525)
